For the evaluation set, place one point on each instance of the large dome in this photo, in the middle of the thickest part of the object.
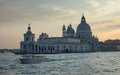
(83, 26)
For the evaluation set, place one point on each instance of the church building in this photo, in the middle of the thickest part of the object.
(71, 42)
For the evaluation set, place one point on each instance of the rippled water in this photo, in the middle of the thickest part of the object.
(100, 63)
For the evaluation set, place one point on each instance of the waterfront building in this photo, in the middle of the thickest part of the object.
(110, 45)
(70, 42)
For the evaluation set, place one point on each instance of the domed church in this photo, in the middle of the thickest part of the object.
(83, 30)
(84, 33)
(71, 42)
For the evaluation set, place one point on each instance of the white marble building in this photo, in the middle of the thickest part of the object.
(70, 42)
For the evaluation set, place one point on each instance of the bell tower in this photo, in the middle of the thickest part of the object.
(64, 34)
(29, 36)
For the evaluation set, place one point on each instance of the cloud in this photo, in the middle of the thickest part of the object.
(13, 12)
(16, 13)
(109, 29)
(107, 25)
(112, 34)
(93, 3)
(54, 12)
(104, 9)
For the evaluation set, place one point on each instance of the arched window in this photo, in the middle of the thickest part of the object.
(26, 38)
(32, 47)
(70, 48)
(48, 47)
(24, 46)
(57, 47)
(36, 48)
(79, 36)
(53, 48)
(44, 47)
(32, 38)
(39, 48)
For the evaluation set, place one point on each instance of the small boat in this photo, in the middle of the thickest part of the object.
(27, 59)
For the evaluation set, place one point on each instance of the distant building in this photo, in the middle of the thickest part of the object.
(110, 45)
(71, 41)
(112, 42)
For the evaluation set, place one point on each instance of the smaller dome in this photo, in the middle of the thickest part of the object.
(29, 32)
(43, 35)
(70, 30)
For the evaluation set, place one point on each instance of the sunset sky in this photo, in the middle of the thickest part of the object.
(49, 16)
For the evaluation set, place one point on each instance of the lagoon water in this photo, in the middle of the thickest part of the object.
(99, 63)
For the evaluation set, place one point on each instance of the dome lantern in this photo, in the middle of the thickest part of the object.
(29, 28)
(83, 19)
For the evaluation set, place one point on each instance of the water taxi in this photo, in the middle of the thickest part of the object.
(27, 59)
